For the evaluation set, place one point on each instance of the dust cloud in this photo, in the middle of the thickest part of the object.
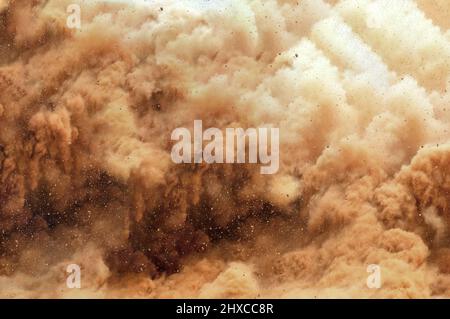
(358, 88)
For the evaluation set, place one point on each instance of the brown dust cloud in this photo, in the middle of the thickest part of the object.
(358, 88)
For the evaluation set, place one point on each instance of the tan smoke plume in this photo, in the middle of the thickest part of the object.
(358, 88)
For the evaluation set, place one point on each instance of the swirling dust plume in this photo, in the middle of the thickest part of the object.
(358, 88)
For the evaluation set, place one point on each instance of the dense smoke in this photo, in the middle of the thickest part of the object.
(358, 88)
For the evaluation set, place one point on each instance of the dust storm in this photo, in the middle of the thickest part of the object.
(358, 88)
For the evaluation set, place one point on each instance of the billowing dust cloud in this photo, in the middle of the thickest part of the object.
(358, 88)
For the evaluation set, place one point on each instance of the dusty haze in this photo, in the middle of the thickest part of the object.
(358, 88)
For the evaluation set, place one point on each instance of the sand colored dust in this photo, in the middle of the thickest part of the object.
(358, 88)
